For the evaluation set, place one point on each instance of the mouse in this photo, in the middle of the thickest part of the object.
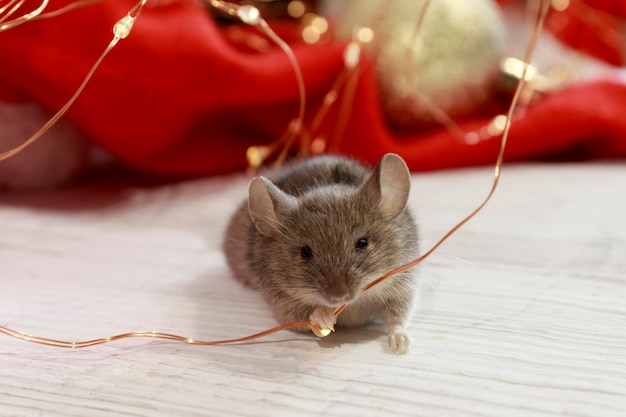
(312, 235)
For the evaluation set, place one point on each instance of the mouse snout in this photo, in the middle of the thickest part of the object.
(337, 294)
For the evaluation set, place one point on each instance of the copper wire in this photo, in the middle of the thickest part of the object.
(61, 112)
(345, 107)
(146, 334)
(35, 14)
(10, 8)
(295, 126)
(545, 4)
(17, 4)
(329, 99)
(65, 9)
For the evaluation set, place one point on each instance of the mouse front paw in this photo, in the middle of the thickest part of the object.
(399, 341)
(324, 317)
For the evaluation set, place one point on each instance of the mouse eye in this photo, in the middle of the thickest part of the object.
(361, 243)
(306, 252)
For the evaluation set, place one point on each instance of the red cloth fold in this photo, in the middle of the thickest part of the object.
(178, 98)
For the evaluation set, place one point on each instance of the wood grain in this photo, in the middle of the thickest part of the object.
(523, 311)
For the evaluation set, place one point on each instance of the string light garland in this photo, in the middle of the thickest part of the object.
(250, 15)
(122, 29)
(311, 143)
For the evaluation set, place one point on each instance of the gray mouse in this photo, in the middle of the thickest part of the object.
(314, 236)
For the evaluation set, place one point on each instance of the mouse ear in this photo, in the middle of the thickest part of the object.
(389, 185)
(266, 204)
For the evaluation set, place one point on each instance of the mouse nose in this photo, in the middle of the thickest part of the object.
(339, 299)
(338, 294)
(339, 291)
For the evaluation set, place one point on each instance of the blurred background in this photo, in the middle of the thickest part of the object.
(195, 92)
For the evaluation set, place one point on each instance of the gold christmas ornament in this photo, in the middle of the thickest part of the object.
(432, 57)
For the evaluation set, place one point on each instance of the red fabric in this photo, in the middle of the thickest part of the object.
(594, 27)
(177, 98)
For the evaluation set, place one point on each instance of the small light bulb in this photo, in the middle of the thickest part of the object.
(123, 26)
(319, 332)
(364, 35)
(256, 155)
(248, 14)
(352, 55)
(296, 9)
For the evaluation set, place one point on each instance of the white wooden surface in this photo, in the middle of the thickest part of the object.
(523, 311)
